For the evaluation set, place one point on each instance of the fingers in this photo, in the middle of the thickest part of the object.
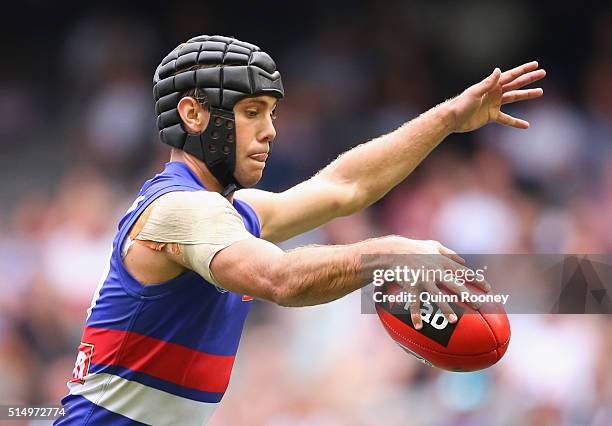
(448, 312)
(524, 80)
(512, 74)
(462, 289)
(488, 83)
(521, 95)
(508, 120)
(461, 271)
(457, 264)
(482, 284)
(451, 254)
(415, 314)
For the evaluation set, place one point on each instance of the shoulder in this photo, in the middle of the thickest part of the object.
(186, 208)
(192, 209)
(187, 199)
(202, 203)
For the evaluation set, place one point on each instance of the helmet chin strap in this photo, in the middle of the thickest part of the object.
(229, 189)
(216, 147)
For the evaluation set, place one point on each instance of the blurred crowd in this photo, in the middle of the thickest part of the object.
(75, 149)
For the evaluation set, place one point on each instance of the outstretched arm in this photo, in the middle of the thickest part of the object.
(364, 174)
(314, 275)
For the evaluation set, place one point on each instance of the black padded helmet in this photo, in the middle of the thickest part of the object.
(231, 70)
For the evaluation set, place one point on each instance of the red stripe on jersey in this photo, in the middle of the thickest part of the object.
(167, 361)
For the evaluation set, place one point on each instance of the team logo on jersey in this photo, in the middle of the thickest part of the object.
(83, 361)
(245, 298)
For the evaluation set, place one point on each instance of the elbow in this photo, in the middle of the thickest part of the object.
(286, 296)
(353, 200)
(345, 196)
(286, 299)
(279, 289)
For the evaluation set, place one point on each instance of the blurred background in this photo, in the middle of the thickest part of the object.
(78, 139)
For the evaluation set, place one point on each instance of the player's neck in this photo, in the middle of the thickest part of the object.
(200, 170)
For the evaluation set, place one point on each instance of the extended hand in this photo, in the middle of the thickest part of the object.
(480, 104)
(435, 261)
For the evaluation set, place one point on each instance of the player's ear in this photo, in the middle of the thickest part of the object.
(194, 115)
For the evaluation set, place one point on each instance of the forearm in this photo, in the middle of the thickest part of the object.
(314, 275)
(311, 275)
(373, 168)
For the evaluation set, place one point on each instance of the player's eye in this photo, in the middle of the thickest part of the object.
(273, 114)
(252, 113)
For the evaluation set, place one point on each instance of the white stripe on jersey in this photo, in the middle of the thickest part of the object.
(140, 402)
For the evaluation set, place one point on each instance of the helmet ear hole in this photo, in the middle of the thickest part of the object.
(219, 71)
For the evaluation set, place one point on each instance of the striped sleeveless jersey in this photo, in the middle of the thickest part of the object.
(156, 354)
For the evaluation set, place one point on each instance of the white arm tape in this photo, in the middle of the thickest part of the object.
(201, 222)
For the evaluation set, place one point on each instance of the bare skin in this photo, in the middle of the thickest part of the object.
(352, 182)
(151, 263)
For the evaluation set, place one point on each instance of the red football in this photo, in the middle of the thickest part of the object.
(477, 340)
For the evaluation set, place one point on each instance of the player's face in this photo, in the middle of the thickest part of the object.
(254, 133)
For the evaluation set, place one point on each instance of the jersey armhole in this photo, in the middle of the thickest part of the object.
(129, 283)
(251, 214)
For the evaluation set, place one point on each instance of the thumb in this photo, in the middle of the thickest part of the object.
(488, 83)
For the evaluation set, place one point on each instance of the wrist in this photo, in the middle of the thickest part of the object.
(447, 116)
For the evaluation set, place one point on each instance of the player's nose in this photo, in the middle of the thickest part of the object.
(267, 133)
